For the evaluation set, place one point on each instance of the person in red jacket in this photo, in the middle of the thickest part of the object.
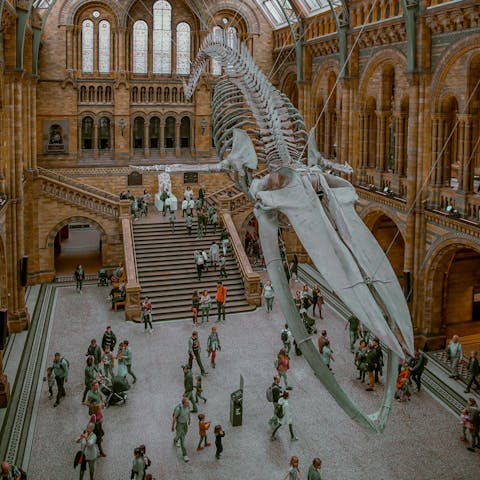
(221, 298)
(283, 364)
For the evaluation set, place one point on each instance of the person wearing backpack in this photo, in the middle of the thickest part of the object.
(287, 339)
(60, 369)
(284, 416)
(274, 392)
(199, 263)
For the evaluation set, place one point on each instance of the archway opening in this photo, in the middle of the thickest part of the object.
(391, 241)
(78, 242)
(104, 142)
(154, 132)
(458, 293)
(185, 132)
(138, 132)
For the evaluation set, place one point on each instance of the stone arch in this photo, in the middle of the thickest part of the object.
(288, 85)
(452, 54)
(437, 262)
(53, 232)
(387, 55)
(324, 68)
(372, 213)
(244, 10)
(70, 9)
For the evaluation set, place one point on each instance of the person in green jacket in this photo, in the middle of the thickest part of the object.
(91, 372)
(180, 423)
(138, 467)
(60, 369)
(314, 470)
(188, 386)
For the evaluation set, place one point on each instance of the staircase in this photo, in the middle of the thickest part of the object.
(167, 272)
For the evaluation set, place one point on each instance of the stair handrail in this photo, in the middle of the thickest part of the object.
(51, 175)
(251, 279)
(132, 287)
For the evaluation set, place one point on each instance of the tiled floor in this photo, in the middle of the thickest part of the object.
(421, 441)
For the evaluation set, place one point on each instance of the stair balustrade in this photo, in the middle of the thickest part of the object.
(79, 194)
(132, 286)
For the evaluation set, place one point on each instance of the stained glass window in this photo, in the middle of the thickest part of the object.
(162, 37)
(140, 47)
(104, 46)
(216, 65)
(183, 48)
(87, 46)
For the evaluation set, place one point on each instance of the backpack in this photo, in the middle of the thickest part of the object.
(200, 259)
(284, 336)
(67, 363)
(279, 412)
(147, 461)
(269, 393)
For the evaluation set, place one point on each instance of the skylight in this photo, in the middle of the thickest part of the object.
(278, 11)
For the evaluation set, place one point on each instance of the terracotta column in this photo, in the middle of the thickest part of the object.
(178, 151)
(146, 143)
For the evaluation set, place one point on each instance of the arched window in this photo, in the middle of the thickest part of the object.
(183, 48)
(185, 132)
(87, 133)
(231, 36)
(170, 132)
(140, 46)
(104, 46)
(162, 37)
(104, 133)
(87, 46)
(108, 94)
(154, 132)
(216, 65)
(138, 132)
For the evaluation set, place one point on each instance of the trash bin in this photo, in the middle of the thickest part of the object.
(236, 408)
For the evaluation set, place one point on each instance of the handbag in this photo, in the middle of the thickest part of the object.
(79, 458)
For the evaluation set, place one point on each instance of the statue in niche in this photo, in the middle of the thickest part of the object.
(55, 136)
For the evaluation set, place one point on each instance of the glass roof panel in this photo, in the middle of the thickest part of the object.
(42, 4)
(278, 11)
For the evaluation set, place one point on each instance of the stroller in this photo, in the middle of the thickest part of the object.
(102, 278)
(114, 390)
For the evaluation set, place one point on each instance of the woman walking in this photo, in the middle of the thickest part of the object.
(96, 418)
(195, 307)
(205, 304)
(269, 294)
(88, 441)
(213, 344)
(138, 467)
(293, 472)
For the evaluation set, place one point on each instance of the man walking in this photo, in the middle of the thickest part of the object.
(354, 331)
(189, 223)
(94, 351)
(473, 370)
(287, 339)
(127, 356)
(284, 416)
(109, 339)
(214, 254)
(221, 298)
(180, 423)
(473, 412)
(223, 264)
(455, 355)
(276, 394)
(10, 472)
(79, 277)
(60, 369)
(416, 370)
(188, 386)
(194, 351)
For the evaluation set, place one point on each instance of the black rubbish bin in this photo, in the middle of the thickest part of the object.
(236, 408)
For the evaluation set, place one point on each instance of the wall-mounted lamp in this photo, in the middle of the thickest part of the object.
(203, 125)
(122, 125)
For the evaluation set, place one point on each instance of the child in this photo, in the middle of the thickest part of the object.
(203, 427)
(327, 354)
(403, 392)
(172, 220)
(219, 434)
(199, 390)
(108, 361)
(464, 423)
(51, 381)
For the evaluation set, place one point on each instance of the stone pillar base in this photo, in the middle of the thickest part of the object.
(18, 321)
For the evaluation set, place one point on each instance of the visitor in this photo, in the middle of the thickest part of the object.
(268, 294)
(60, 369)
(172, 219)
(180, 422)
(417, 367)
(297, 299)
(314, 470)
(205, 260)
(199, 390)
(127, 355)
(219, 434)
(97, 419)
(184, 207)
(147, 314)
(88, 442)
(189, 223)
(10, 472)
(353, 325)
(378, 360)
(221, 298)
(317, 300)
(276, 393)
(199, 263)
(223, 264)
(195, 307)
(201, 195)
(322, 339)
(94, 396)
(294, 267)
(205, 305)
(473, 423)
(188, 194)
(90, 374)
(293, 472)
(371, 362)
(287, 339)
(213, 344)
(214, 254)
(138, 466)
(473, 370)
(94, 351)
(109, 339)
(214, 222)
(203, 426)
(284, 416)
(188, 387)
(403, 393)
(327, 355)
(455, 356)
(121, 365)
(194, 351)
(283, 364)
(108, 362)
(50, 378)
(361, 360)
(224, 240)
(79, 275)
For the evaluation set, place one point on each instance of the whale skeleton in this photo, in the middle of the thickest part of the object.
(252, 120)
